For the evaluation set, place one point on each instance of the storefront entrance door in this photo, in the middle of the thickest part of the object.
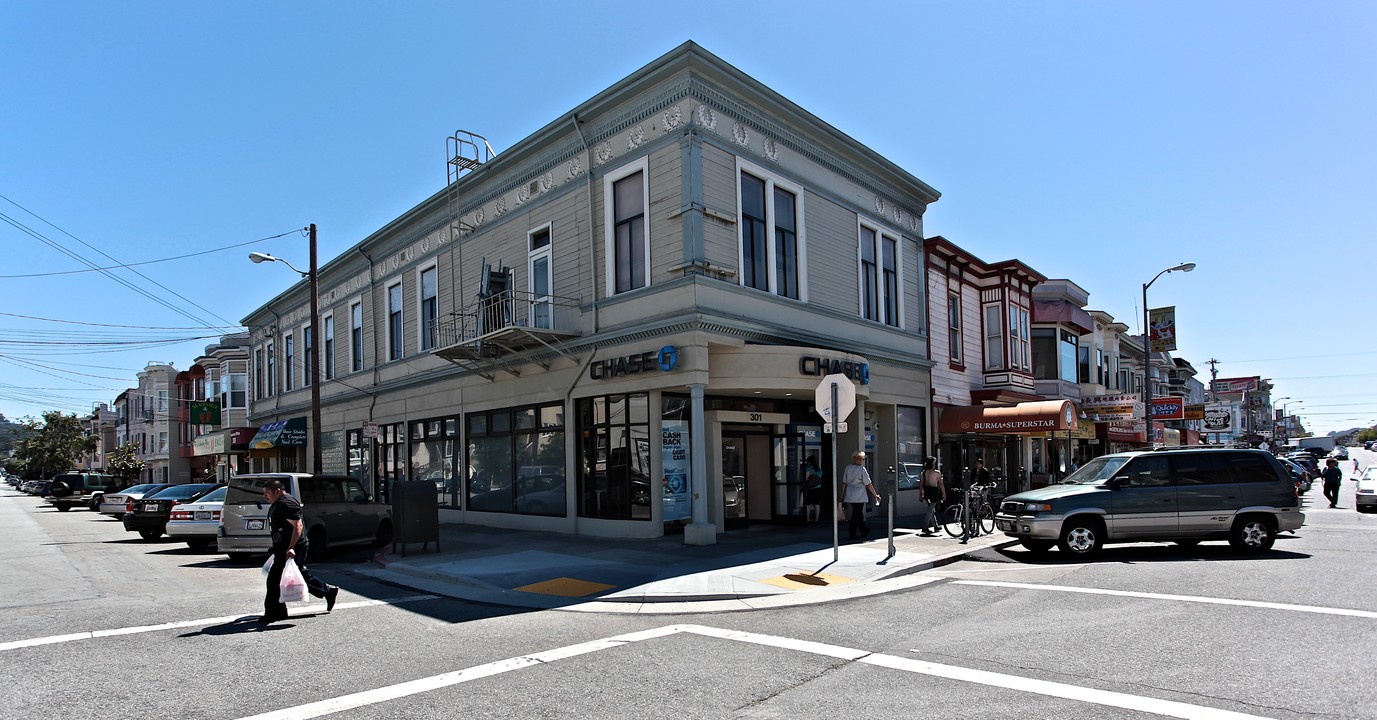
(747, 477)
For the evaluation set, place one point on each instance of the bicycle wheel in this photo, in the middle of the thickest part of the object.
(952, 520)
(987, 523)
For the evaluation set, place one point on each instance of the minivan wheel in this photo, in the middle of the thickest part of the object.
(384, 536)
(1252, 534)
(1081, 537)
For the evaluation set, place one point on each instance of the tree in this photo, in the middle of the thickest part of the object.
(124, 463)
(52, 446)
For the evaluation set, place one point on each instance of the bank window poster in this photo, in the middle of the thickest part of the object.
(1162, 326)
(674, 460)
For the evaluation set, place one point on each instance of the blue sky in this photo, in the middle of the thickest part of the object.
(1096, 141)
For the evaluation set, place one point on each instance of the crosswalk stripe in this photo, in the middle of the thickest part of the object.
(1175, 598)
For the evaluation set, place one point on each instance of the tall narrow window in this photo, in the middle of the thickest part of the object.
(308, 348)
(889, 266)
(755, 265)
(786, 244)
(429, 309)
(994, 338)
(329, 348)
(289, 358)
(260, 370)
(272, 374)
(1023, 344)
(954, 326)
(538, 259)
(870, 300)
(356, 336)
(394, 322)
(628, 237)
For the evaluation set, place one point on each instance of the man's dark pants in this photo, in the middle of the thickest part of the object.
(272, 602)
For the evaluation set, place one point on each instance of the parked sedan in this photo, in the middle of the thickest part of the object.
(149, 514)
(117, 504)
(197, 522)
(1302, 476)
(1366, 498)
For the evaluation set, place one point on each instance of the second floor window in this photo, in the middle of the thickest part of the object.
(329, 363)
(954, 326)
(308, 346)
(769, 254)
(289, 358)
(628, 239)
(994, 338)
(232, 395)
(538, 260)
(429, 309)
(880, 277)
(356, 336)
(1019, 355)
(394, 322)
(271, 386)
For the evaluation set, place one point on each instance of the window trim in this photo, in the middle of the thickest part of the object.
(642, 165)
(399, 345)
(424, 341)
(327, 346)
(356, 359)
(533, 255)
(881, 231)
(955, 328)
(772, 181)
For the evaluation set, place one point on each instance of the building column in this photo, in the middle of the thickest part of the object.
(701, 531)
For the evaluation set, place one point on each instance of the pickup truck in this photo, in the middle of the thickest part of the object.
(69, 490)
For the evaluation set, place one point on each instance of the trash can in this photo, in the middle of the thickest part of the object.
(415, 515)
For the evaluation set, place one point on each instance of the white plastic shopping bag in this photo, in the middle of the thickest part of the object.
(293, 585)
(268, 566)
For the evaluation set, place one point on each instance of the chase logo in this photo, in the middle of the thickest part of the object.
(669, 358)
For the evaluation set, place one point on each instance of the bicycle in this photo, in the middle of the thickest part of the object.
(954, 519)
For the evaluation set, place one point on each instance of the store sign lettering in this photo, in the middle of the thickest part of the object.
(663, 360)
(822, 367)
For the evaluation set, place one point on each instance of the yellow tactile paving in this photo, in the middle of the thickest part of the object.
(807, 581)
(565, 587)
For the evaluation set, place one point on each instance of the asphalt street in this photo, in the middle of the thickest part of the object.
(100, 624)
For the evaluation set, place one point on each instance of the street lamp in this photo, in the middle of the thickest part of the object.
(1147, 349)
(258, 257)
(1286, 418)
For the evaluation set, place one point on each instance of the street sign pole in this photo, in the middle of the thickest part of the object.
(836, 477)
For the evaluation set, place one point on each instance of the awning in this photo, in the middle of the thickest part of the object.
(283, 433)
(1028, 417)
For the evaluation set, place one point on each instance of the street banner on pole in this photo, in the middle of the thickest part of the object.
(1105, 408)
(1162, 328)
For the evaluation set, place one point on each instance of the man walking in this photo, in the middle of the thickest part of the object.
(1333, 480)
(284, 522)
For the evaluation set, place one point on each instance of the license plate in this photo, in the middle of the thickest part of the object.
(202, 515)
(253, 524)
(1005, 525)
(150, 507)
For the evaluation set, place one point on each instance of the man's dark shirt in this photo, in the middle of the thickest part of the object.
(280, 515)
(1333, 475)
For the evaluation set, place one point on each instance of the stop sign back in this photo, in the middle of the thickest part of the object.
(846, 397)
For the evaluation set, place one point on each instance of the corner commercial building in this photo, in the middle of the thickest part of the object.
(616, 326)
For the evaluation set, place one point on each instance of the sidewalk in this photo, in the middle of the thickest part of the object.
(765, 566)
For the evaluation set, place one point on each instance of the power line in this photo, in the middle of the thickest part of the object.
(91, 324)
(152, 262)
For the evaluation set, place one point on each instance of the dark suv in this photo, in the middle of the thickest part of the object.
(1183, 496)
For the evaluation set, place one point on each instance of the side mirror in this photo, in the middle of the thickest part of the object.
(1122, 481)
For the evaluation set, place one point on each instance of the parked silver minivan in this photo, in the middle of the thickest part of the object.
(335, 511)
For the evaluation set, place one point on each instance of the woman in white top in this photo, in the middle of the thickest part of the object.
(856, 492)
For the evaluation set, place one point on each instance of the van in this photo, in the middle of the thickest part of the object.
(1182, 496)
(335, 512)
(71, 489)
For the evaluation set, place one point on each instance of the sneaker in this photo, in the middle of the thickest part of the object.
(330, 596)
(268, 619)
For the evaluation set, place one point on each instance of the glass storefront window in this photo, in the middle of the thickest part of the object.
(614, 457)
(513, 470)
(910, 424)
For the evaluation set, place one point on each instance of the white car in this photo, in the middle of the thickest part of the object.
(198, 523)
(1339, 453)
(1366, 498)
(117, 503)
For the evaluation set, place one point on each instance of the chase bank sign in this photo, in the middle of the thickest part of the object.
(663, 360)
(820, 366)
